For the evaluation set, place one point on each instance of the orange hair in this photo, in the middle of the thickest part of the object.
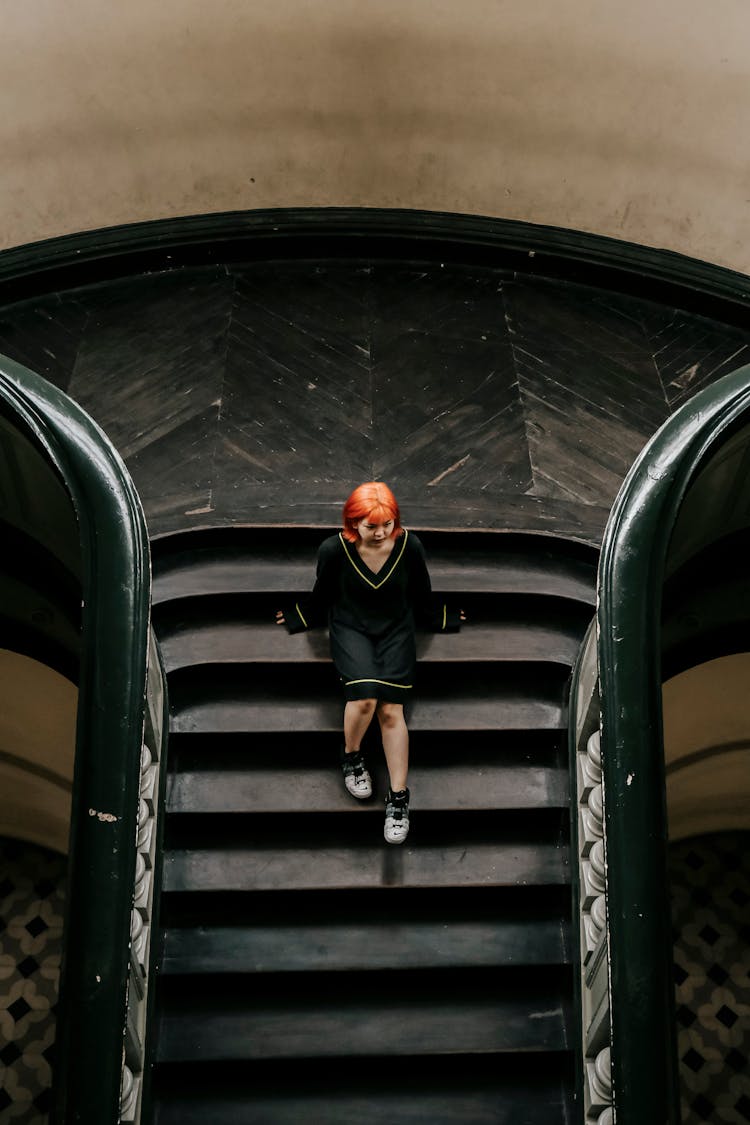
(371, 501)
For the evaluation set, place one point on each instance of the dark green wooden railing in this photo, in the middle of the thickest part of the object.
(678, 497)
(95, 1027)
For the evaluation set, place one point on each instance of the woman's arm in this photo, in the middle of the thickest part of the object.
(430, 611)
(311, 610)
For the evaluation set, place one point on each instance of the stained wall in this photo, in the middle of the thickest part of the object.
(624, 120)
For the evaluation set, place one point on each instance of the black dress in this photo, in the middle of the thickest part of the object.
(372, 617)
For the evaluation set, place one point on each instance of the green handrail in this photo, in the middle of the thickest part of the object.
(116, 591)
(631, 575)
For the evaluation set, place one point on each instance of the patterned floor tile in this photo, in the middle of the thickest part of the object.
(32, 889)
(710, 879)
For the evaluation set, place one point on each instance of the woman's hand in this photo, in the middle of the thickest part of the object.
(462, 615)
(280, 619)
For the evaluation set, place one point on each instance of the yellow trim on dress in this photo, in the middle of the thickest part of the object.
(370, 680)
(375, 585)
(299, 611)
(445, 612)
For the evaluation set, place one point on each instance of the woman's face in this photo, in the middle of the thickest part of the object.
(371, 532)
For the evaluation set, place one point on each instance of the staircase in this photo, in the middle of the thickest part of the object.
(310, 972)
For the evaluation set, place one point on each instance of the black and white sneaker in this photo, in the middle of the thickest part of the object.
(396, 817)
(356, 775)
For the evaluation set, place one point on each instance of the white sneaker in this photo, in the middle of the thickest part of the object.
(396, 817)
(356, 775)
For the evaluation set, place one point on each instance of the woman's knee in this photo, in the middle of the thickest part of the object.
(364, 708)
(390, 714)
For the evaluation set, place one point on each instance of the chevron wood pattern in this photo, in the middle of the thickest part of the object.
(45, 335)
(261, 393)
(447, 414)
(691, 351)
(591, 394)
(150, 369)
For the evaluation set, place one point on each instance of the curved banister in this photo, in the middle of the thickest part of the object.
(107, 782)
(631, 576)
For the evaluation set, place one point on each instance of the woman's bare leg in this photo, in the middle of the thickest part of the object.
(358, 715)
(395, 743)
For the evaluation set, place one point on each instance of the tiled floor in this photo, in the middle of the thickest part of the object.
(32, 882)
(711, 915)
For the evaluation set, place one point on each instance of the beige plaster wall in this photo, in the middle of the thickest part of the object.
(626, 120)
(707, 747)
(37, 751)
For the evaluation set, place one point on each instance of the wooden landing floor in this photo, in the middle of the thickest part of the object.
(261, 393)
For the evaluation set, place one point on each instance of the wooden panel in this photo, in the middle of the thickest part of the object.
(416, 864)
(284, 572)
(499, 1089)
(293, 788)
(690, 351)
(385, 1027)
(433, 749)
(489, 400)
(346, 945)
(589, 385)
(457, 1106)
(213, 698)
(259, 715)
(252, 642)
(507, 513)
(446, 409)
(150, 369)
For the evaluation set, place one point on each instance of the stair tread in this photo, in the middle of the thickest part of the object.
(464, 864)
(255, 642)
(526, 1106)
(369, 945)
(225, 699)
(387, 1026)
(495, 1089)
(207, 572)
(516, 747)
(300, 789)
(261, 715)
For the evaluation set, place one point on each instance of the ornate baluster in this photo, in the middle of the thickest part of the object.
(141, 918)
(593, 914)
(129, 1093)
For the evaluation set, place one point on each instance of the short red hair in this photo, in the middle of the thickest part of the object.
(372, 501)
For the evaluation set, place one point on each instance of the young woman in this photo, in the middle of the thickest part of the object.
(372, 588)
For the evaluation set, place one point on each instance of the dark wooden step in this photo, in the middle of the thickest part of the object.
(348, 1017)
(416, 864)
(215, 698)
(368, 945)
(461, 1090)
(536, 905)
(383, 1106)
(206, 572)
(259, 642)
(214, 750)
(298, 538)
(298, 785)
(516, 712)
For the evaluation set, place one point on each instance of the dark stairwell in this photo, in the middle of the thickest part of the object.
(308, 969)
(552, 384)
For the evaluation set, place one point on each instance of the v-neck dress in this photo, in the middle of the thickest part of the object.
(372, 616)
